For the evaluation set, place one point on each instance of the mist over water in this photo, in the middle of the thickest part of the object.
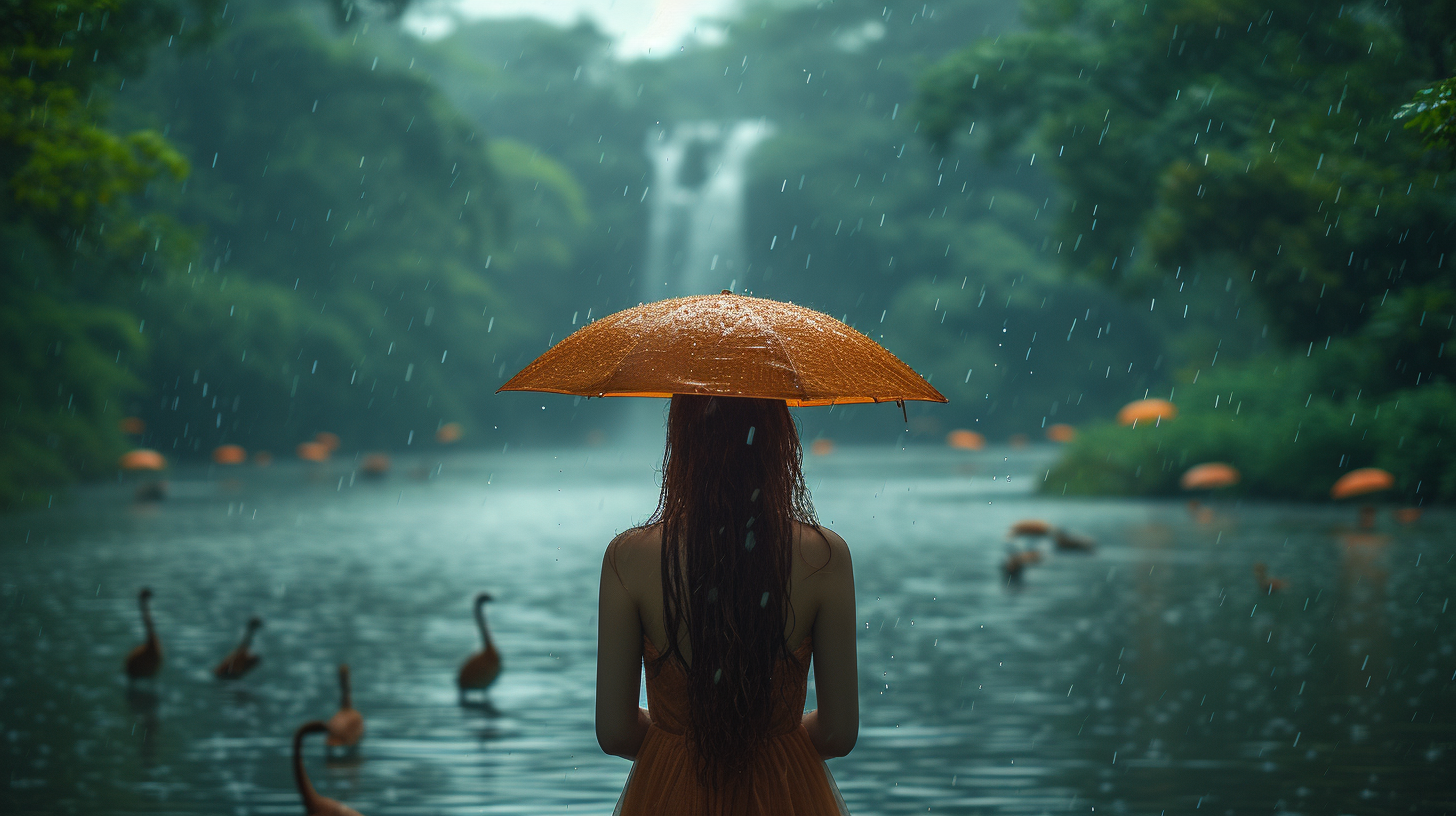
(1152, 675)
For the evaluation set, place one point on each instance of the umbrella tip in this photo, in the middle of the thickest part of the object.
(726, 292)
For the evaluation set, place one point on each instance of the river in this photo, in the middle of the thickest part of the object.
(1154, 675)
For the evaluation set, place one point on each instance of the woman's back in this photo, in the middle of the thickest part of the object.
(787, 774)
(729, 593)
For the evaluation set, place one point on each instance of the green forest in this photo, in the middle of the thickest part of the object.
(250, 222)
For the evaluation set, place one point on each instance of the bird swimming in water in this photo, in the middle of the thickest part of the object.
(313, 803)
(1017, 561)
(484, 666)
(1063, 539)
(240, 660)
(346, 727)
(145, 660)
(1269, 585)
(1073, 542)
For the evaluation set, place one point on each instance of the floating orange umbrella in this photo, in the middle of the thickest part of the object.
(1407, 515)
(229, 455)
(822, 447)
(328, 440)
(1209, 476)
(965, 440)
(312, 451)
(375, 464)
(449, 432)
(143, 459)
(1146, 410)
(1031, 527)
(132, 425)
(1061, 433)
(728, 345)
(1360, 481)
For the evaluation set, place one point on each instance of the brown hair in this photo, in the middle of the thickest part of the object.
(732, 489)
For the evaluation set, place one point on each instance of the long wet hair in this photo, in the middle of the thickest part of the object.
(732, 489)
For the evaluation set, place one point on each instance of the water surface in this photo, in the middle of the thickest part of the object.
(1152, 676)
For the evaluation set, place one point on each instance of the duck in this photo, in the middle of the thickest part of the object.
(346, 727)
(1269, 585)
(1074, 542)
(144, 661)
(484, 666)
(313, 803)
(240, 660)
(1017, 561)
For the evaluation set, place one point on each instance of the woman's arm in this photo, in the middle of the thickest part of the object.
(834, 726)
(621, 724)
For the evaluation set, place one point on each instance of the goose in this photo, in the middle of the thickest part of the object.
(145, 660)
(240, 660)
(484, 666)
(313, 803)
(346, 727)
(1261, 574)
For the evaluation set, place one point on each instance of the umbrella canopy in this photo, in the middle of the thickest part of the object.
(724, 345)
(1061, 432)
(965, 440)
(1360, 481)
(142, 459)
(229, 455)
(313, 451)
(1146, 410)
(1209, 476)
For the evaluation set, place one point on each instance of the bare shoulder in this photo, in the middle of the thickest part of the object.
(821, 549)
(633, 553)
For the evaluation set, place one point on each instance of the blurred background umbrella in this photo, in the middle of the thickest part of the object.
(229, 455)
(727, 345)
(965, 440)
(1209, 476)
(1061, 432)
(1146, 410)
(1362, 481)
(143, 459)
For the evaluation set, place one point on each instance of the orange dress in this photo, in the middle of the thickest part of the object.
(787, 777)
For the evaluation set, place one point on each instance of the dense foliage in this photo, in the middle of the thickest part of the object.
(72, 238)
(1247, 148)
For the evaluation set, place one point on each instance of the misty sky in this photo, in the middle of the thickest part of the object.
(641, 27)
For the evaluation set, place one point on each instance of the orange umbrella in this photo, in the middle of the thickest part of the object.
(1061, 433)
(822, 447)
(1209, 476)
(1146, 410)
(313, 451)
(965, 440)
(728, 345)
(229, 455)
(143, 459)
(1360, 481)
(449, 432)
(132, 425)
(328, 440)
(375, 464)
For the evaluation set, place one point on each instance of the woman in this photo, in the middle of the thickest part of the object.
(725, 596)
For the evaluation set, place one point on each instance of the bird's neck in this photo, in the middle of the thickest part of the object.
(147, 621)
(300, 776)
(480, 621)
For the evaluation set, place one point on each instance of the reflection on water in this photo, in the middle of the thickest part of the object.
(1154, 675)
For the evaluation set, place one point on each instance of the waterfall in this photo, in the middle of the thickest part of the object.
(695, 242)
